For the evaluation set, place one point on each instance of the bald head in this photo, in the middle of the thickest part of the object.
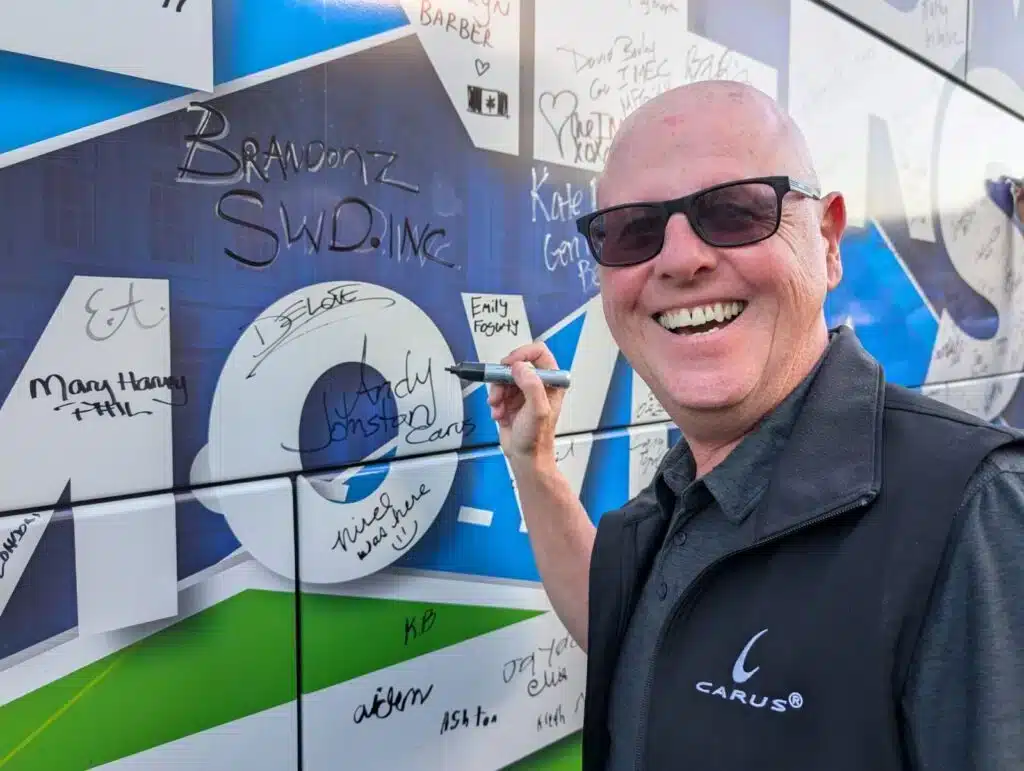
(716, 117)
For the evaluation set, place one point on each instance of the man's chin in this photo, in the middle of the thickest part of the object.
(705, 394)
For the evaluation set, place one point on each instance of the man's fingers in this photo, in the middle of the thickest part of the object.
(532, 387)
(536, 353)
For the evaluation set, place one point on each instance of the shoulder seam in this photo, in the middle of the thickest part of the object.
(964, 421)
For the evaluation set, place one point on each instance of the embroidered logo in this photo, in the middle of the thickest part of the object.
(740, 675)
(739, 672)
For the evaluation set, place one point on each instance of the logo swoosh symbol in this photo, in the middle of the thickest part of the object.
(739, 671)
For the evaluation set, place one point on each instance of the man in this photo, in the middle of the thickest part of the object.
(827, 572)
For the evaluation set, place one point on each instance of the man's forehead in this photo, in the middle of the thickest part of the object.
(663, 164)
(698, 135)
(710, 113)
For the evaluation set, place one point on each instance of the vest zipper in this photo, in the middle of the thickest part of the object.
(688, 595)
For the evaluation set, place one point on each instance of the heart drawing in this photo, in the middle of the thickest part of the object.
(557, 110)
(482, 67)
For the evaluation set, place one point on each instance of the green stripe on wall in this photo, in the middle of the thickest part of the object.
(228, 661)
(346, 637)
(224, 663)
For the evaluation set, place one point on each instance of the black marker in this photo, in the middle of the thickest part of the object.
(479, 372)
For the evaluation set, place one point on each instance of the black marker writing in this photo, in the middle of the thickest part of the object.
(465, 29)
(355, 225)
(419, 422)
(308, 314)
(552, 673)
(67, 388)
(387, 518)
(383, 705)
(129, 381)
(490, 316)
(462, 718)
(113, 408)
(551, 719)
(13, 540)
(416, 626)
(651, 451)
(287, 158)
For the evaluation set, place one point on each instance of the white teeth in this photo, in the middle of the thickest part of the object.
(694, 317)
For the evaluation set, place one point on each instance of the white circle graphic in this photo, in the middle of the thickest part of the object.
(257, 409)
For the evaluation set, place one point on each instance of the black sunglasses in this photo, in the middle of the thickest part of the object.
(737, 213)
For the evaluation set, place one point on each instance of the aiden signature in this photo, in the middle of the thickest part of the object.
(394, 700)
(419, 422)
(297, 319)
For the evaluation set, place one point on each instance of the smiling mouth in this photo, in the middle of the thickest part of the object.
(701, 320)
(404, 544)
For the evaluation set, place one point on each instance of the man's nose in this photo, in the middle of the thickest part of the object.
(684, 255)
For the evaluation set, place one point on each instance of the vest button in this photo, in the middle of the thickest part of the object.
(680, 538)
(662, 590)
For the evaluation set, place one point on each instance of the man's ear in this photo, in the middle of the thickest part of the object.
(833, 225)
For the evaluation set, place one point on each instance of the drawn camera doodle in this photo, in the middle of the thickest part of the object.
(487, 101)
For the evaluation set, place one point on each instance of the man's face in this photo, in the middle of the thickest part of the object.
(778, 284)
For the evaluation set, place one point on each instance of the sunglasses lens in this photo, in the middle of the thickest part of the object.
(738, 214)
(628, 235)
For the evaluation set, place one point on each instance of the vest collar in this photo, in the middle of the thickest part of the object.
(834, 455)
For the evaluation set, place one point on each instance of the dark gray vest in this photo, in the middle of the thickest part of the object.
(792, 654)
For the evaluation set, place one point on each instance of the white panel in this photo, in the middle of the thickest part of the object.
(91, 404)
(280, 363)
(984, 245)
(645, 407)
(266, 741)
(589, 77)
(985, 398)
(126, 566)
(934, 29)
(834, 106)
(342, 540)
(474, 47)
(170, 41)
(261, 519)
(19, 536)
(933, 128)
(529, 675)
(498, 324)
(647, 446)
(20, 676)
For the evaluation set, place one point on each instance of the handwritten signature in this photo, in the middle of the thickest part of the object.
(552, 672)
(281, 329)
(383, 705)
(113, 317)
(342, 422)
(351, 535)
(13, 540)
